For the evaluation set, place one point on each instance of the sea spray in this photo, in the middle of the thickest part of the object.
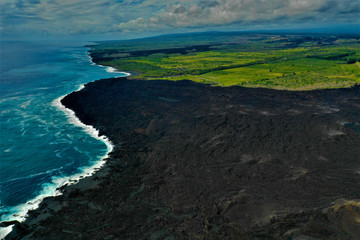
(108, 68)
(114, 70)
(63, 76)
(52, 189)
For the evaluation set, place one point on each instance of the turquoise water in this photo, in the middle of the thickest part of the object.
(41, 146)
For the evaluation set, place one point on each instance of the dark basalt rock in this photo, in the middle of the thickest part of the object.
(111, 54)
(8, 223)
(19, 230)
(193, 161)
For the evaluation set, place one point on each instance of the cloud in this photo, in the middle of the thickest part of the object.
(104, 16)
(247, 12)
(69, 16)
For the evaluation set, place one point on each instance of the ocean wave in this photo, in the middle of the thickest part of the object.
(48, 172)
(8, 150)
(26, 104)
(109, 69)
(114, 70)
(76, 121)
(12, 96)
(52, 188)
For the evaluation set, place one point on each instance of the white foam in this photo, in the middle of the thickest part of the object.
(33, 175)
(111, 70)
(74, 120)
(333, 132)
(107, 68)
(114, 70)
(5, 231)
(90, 60)
(9, 149)
(51, 189)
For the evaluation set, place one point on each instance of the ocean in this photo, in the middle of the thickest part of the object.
(42, 145)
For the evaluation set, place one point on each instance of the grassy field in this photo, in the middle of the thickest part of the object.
(295, 62)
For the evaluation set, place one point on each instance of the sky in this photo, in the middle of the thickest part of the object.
(121, 19)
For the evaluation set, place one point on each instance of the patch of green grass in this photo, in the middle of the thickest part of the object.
(300, 74)
(280, 62)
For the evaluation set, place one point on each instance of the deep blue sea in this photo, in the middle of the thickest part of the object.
(41, 146)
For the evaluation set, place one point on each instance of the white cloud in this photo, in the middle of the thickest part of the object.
(70, 16)
(224, 12)
(102, 16)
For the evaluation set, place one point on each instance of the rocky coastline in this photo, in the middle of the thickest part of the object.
(192, 161)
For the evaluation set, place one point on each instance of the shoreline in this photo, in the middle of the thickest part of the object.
(64, 181)
(57, 185)
(108, 68)
(146, 139)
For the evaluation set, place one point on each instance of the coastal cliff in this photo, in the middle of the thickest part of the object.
(191, 161)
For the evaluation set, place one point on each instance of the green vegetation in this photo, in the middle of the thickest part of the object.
(294, 62)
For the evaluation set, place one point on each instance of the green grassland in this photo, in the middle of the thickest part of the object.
(293, 62)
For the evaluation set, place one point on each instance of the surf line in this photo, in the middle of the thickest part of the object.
(52, 189)
(89, 129)
(114, 70)
(107, 68)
